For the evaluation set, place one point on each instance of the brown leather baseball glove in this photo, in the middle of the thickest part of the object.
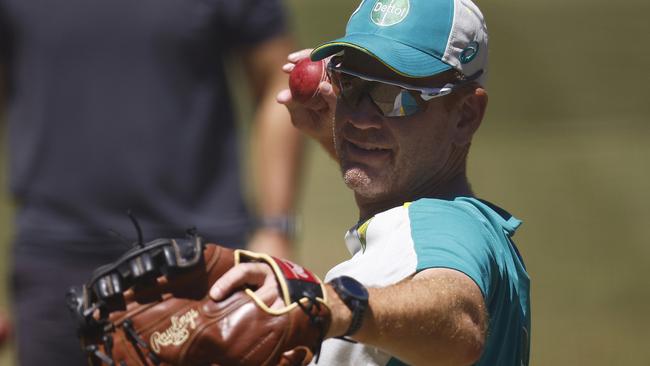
(151, 307)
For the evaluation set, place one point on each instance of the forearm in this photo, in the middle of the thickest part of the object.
(429, 320)
(277, 150)
(276, 145)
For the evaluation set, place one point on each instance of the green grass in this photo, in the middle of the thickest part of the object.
(564, 147)
(583, 196)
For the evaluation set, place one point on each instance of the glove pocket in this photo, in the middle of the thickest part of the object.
(236, 331)
(159, 331)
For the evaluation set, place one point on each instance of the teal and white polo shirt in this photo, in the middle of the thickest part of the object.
(465, 234)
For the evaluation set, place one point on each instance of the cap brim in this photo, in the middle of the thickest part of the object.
(402, 59)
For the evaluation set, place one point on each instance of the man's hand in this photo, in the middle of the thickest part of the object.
(258, 276)
(315, 117)
(268, 311)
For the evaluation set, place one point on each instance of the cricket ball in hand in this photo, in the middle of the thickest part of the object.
(305, 78)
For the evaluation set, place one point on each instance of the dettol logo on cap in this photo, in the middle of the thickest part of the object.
(389, 12)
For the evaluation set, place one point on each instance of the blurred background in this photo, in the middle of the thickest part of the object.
(565, 147)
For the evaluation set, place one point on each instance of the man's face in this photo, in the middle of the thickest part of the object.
(390, 158)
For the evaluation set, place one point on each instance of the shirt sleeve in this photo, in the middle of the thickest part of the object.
(250, 22)
(445, 236)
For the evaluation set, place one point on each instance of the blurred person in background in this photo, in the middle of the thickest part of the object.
(124, 105)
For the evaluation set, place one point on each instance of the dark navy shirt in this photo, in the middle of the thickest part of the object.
(123, 104)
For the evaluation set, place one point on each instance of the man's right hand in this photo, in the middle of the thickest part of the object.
(316, 116)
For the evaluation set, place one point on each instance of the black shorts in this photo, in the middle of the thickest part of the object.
(45, 330)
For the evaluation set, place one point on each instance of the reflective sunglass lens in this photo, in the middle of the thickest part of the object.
(394, 101)
(391, 100)
(405, 105)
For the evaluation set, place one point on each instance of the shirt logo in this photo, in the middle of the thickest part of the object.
(389, 12)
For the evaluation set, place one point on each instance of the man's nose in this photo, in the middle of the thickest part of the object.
(366, 115)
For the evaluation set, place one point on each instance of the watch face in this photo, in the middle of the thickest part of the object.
(354, 288)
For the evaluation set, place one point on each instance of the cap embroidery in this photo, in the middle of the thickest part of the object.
(389, 12)
(469, 53)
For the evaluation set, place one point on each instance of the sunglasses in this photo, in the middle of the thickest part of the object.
(392, 99)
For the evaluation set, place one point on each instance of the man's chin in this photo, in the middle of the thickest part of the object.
(362, 183)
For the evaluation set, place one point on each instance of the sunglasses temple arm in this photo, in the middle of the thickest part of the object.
(448, 88)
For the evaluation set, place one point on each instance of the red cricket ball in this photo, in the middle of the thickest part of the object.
(305, 78)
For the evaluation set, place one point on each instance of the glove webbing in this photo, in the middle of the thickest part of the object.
(133, 337)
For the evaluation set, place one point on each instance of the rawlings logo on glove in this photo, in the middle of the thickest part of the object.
(177, 334)
(151, 307)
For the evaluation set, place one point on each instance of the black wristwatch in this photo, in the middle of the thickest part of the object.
(355, 296)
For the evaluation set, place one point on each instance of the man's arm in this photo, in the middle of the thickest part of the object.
(437, 317)
(276, 144)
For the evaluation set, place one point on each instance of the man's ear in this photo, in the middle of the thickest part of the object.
(473, 105)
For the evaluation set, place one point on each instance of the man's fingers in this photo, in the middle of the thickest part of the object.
(326, 91)
(239, 276)
(270, 295)
(299, 55)
(284, 96)
(256, 275)
(325, 98)
(288, 67)
(316, 104)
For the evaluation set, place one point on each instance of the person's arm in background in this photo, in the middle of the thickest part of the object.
(276, 145)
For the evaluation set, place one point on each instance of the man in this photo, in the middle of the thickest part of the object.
(434, 278)
(119, 105)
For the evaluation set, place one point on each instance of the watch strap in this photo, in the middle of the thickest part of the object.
(356, 304)
(357, 319)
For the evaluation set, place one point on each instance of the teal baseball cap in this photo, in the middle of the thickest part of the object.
(417, 38)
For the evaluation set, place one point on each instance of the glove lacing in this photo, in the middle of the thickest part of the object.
(314, 319)
(138, 342)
